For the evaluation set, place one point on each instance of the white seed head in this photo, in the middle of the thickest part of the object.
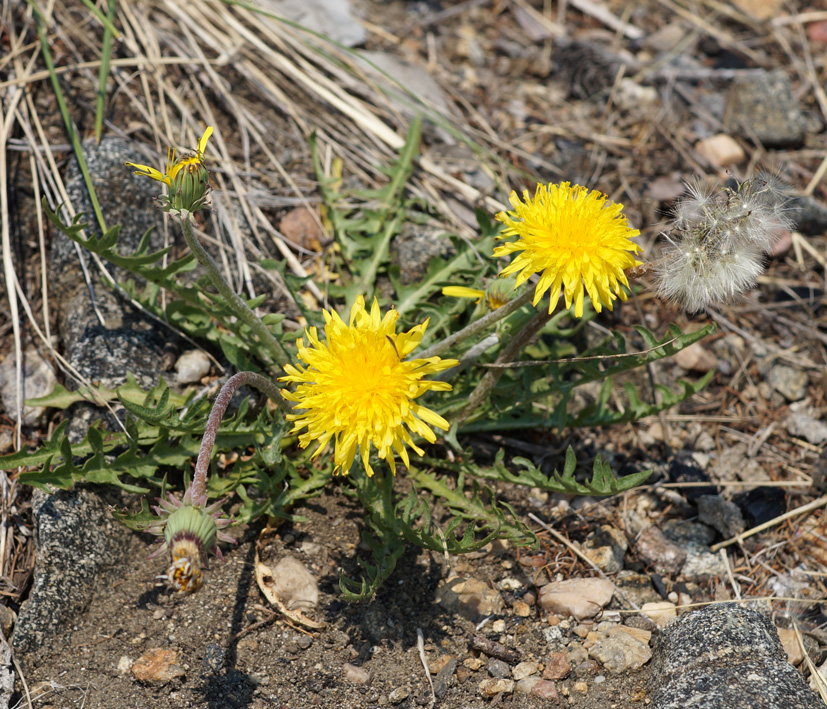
(718, 240)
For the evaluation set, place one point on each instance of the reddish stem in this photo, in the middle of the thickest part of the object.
(198, 487)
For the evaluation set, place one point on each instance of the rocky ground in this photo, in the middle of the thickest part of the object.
(633, 101)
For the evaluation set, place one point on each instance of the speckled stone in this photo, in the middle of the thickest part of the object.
(77, 540)
(128, 341)
(725, 656)
(775, 122)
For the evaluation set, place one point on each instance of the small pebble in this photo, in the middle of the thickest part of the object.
(472, 598)
(543, 689)
(580, 598)
(557, 666)
(498, 668)
(192, 366)
(356, 675)
(400, 694)
(720, 151)
(581, 687)
(473, 663)
(525, 669)
(439, 663)
(521, 609)
(492, 686)
(525, 685)
(660, 611)
(158, 665)
(621, 652)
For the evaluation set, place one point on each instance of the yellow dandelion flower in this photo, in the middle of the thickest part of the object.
(174, 166)
(574, 239)
(358, 389)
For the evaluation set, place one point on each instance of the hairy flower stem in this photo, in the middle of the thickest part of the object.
(477, 326)
(241, 309)
(219, 408)
(509, 354)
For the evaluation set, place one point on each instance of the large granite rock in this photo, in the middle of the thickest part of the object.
(725, 657)
(77, 541)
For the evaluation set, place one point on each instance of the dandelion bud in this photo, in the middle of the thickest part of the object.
(191, 531)
(190, 187)
(187, 180)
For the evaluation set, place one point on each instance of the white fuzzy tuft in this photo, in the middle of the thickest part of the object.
(718, 241)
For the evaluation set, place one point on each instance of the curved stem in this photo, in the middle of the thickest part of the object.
(477, 326)
(509, 354)
(198, 487)
(241, 309)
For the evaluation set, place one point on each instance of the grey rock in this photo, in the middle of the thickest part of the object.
(76, 540)
(806, 427)
(723, 515)
(412, 250)
(498, 668)
(213, 661)
(330, 18)
(413, 77)
(702, 565)
(655, 549)
(733, 462)
(762, 106)
(636, 587)
(620, 652)
(695, 538)
(725, 656)
(127, 341)
(606, 547)
(687, 533)
(400, 694)
(106, 352)
(444, 678)
(6, 675)
(38, 379)
(808, 214)
(790, 382)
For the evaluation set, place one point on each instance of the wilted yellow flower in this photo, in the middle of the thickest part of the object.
(186, 177)
(573, 238)
(358, 389)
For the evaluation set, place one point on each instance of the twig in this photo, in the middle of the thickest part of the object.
(420, 646)
(600, 13)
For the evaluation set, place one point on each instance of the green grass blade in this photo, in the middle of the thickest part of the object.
(105, 21)
(64, 112)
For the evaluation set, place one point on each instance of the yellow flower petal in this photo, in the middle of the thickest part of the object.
(357, 389)
(202, 143)
(574, 239)
(463, 292)
(147, 171)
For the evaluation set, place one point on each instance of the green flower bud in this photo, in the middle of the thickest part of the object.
(190, 532)
(190, 186)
